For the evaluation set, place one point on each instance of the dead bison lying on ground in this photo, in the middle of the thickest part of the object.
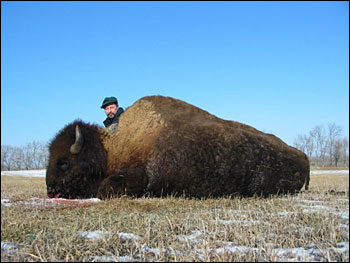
(166, 146)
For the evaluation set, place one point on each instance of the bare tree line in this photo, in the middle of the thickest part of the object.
(33, 155)
(324, 146)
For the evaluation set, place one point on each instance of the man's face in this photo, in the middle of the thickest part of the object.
(111, 110)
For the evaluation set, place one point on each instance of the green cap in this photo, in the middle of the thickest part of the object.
(109, 100)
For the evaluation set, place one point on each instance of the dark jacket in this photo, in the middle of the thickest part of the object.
(108, 122)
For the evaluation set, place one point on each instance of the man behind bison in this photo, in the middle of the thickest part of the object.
(113, 112)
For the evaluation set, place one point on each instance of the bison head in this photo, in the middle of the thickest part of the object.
(77, 162)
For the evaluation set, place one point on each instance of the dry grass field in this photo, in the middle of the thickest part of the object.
(310, 226)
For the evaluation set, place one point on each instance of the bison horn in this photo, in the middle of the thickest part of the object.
(76, 147)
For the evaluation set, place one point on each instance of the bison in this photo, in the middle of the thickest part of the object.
(164, 146)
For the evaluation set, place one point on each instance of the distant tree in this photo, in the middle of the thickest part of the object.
(6, 157)
(18, 157)
(43, 155)
(341, 150)
(309, 144)
(33, 155)
(305, 144)
(319, 137)
(27, 156)
(334, 132)
(345, 151)
(338, 145)
(323, 145)
(300, 143)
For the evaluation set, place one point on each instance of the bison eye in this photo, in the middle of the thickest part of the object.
(63, 164)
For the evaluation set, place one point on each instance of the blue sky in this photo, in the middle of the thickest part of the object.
(281, 67)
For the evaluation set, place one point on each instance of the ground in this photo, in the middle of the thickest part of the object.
(310, 226)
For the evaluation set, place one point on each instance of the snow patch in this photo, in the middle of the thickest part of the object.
(128, 236)
(5, 202)
(125, 259)
(344, 214)
(98, 234)
(111, 259)
(46, 202)
(242, 222)
(190, 238)
(325, 172)
(342, 247)
(297, 254)
(235, 249)
(25, 173)
(9, 248)
(93, 235)
(286, 213)
(103, 259)
(154, 251)
(317, 207)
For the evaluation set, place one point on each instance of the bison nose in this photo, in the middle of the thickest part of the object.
(50, 192)
(54, 191)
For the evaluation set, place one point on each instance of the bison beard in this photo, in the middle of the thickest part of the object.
(165, 146)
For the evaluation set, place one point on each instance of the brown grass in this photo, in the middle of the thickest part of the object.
(177, 229)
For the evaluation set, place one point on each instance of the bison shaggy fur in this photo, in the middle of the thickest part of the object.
(164, 146)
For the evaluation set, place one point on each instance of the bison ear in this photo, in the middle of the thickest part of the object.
(76, 147)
